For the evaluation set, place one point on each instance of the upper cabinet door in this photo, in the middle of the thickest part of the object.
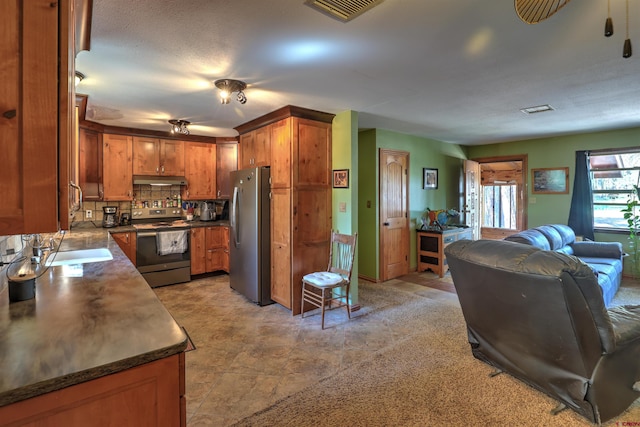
(117, 167)
(226, 161)
(146, 156)
(29, 122)
(200, 171)
(171, 157)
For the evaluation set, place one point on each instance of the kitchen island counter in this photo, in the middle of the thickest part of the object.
(78, 329)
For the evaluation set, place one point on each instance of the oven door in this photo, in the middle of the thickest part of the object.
(161, 270)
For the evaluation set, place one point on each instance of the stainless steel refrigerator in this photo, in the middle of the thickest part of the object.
(250, 241)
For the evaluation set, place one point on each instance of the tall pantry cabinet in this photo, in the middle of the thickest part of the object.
(300, 161)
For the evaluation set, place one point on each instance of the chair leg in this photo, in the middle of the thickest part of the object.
(347, 300)
(322, 303)
(302, 302)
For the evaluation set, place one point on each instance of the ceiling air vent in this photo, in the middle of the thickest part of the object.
(343, 10)
(537, 109)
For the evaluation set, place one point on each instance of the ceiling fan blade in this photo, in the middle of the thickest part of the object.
(534, 11)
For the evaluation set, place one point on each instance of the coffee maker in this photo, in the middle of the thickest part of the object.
(109, 216)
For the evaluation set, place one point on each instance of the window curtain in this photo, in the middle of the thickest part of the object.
(581, 212)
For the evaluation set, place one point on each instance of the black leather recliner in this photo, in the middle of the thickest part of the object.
(539, 316)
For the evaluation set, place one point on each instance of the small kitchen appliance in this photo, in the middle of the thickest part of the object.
(109, 216)
(208, 211)
(125, 218)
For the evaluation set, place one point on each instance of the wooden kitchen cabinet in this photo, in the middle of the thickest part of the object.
(200, 171)
(90, 164)
(148, 394)
(255, 148)
(152, 156)
(431, 246)
(127, 243)
(209, 249)
(117, 161)
(301, 211)
(36, 120)
(217, 249)
(198, 251)
(226, 161)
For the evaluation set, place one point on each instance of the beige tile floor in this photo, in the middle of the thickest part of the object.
(247, 357)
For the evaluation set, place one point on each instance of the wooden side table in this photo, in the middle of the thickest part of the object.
(431, 244)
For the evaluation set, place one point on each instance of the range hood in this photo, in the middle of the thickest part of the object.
(159, 180)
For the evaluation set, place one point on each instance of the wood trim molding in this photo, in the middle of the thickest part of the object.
(283, 113)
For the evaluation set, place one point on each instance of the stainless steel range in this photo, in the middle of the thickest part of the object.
(163, 254)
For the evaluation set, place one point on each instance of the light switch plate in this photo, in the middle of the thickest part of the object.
(88, 213)
(342, 206)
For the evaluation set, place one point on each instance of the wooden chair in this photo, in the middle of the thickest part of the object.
(322, 288)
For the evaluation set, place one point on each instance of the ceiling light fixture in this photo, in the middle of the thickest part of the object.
(534, 11)
(537, 109)
(79, 77)
(180, 126)
(608, 29)
(228, 86)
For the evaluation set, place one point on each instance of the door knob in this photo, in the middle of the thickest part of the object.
(385, 223)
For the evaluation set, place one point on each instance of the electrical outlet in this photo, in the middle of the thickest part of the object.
(88, 213)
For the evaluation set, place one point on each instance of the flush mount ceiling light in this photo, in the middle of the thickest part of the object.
(179, 126)
(79, 77)
(228, 86)
(534, 11)
(537, 109)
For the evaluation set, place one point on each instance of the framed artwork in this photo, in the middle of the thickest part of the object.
(341, 178)
(550, 180)
(429, 179)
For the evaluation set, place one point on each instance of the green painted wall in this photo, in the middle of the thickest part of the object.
(423, 153)
(344, 153)
(558, 152)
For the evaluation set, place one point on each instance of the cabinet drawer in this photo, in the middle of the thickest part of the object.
(449, 239)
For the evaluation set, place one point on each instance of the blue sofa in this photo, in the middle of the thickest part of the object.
(604, 258)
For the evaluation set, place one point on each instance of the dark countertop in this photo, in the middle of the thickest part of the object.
(86, 226)
(80, 328)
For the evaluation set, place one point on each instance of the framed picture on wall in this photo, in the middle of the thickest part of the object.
(341, 178)
(550, 180)
(429, 178)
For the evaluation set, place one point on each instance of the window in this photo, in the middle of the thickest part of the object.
(613, 175)
(499, 204)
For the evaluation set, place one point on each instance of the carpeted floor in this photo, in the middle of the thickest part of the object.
(429, 378)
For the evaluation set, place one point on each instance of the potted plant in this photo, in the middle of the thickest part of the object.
(630, 213)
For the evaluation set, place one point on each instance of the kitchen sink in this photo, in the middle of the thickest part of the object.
(81, 256)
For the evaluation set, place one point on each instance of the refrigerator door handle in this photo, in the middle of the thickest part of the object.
(234, 217)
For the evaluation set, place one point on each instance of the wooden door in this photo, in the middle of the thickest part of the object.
(90, 165)
(281, 246)
(280, 141)
(215, 243)
(225, 259)
(117, 159)
(127, 243)
(394, 227)
(171, 157)
(262, 147)
(198, 251)
(200, 171)
(247, 150)
(472, 196)
(226, 161)
(146, 156)
(29, 122)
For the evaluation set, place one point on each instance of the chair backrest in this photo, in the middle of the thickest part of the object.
(342, 254)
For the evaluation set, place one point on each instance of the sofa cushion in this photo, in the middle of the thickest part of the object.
(567, 233)
(531, 237)
(552, 235)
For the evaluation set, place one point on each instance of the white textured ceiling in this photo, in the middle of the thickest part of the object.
(457, 71)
